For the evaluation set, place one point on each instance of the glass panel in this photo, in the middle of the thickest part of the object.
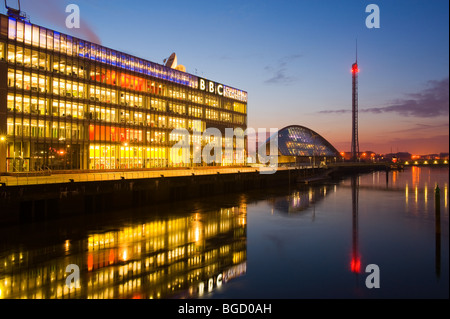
(75, 47)
(69, 45)
(103, 55)
(35, 35)
(11, 74)
(10, 126)
(28, 31)
(10, 102)
(19, 80)
(34, 105)
(69, 67)
(63, 44)
(56, 41)
(18, 103)
(19, 55)
(34, 82)
(132, 64)
(43, 36)
(27, 81)
(43, 63)
(84, 51)
(55, 66)
(62, 65)
(49, 40)
(43, 84)
(93, 51)
(35, 59)
(12, 29)
(27, 58)
(20, 28)
(113, 58)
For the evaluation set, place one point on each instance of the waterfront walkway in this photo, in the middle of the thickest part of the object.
(31, 179)
(56, 177)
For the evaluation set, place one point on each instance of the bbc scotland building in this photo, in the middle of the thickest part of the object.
(69, 104)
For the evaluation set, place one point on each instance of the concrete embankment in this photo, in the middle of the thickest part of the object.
(65, 196)
(27, 203)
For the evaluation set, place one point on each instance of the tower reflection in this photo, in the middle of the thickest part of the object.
(183, 256)
(355, 264)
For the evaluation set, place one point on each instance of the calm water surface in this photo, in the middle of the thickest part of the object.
(310, 241)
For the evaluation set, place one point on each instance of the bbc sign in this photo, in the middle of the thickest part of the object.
(210, 86)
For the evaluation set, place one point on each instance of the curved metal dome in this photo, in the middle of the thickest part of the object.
(296, 140)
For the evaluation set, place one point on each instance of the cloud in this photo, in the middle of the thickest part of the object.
(280, 77)
(421, 145)
(342, 111)
(416, 144)
(279, 71)
(54, 12)
(419, 127)
(430, 102)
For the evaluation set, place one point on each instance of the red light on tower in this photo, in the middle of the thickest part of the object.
(355, 265)
(355, 68)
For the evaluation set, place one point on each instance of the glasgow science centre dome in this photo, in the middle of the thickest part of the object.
(300, 141)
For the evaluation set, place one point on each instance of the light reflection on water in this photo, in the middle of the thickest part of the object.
(175, 256)
(310, 241)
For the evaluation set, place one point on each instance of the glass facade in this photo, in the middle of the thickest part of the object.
(299, 141)
(68, 104)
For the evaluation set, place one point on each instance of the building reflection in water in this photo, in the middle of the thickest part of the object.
(301, 199)
(180, 257)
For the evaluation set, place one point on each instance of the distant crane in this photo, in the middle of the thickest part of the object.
(16, 13)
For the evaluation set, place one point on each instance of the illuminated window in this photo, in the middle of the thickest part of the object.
(12, 29)
(42, 38)
(49, 40)
(10, 102)
(2, 51)
(11, 53)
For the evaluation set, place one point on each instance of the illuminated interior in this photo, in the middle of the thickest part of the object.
(66, 98)
(298, 143)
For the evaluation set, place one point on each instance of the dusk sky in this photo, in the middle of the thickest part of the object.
(294, 59)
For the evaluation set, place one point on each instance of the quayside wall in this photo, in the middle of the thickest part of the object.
(27, 203)
(37, 202)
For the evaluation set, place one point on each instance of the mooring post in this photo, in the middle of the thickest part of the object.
(437, 205)
(387, 177)
(437, 214)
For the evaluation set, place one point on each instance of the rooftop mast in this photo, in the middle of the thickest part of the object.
(16, 13)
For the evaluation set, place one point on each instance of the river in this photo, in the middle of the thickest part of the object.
(375, 235)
